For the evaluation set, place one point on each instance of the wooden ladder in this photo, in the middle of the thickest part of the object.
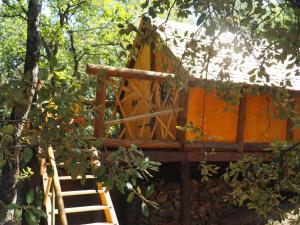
(54, 195)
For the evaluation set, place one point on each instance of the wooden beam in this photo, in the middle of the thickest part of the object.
(225, 146)
(185, 193)
(148, 115)
(241, 122)
(225, 156)
(144, 144)
(126, 73)
(100, 105)
(198, 146)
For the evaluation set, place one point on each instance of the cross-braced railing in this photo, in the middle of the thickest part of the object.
(144, 106)
(142, 109)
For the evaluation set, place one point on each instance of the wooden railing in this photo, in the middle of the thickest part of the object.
(145, 106)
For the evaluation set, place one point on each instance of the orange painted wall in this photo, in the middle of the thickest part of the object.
(261, 126)
(296, 132)
(220, 118)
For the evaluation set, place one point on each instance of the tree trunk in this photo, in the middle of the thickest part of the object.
(20, 111)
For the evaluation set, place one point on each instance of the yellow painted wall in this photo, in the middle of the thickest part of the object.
(133, 105)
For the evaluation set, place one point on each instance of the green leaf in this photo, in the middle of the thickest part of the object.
(139, 190)
(145, 209)
(43, 74)
(149, 191)
(18, 214)
(39, 212)
(130, 197)
(98, 143)
(30, 218)
(11, 206)
(129, 186)
(27, 155)
(8, 129)
(30, 197)
(2, 162)
(252, 78)
(145, 4)
(201, 19)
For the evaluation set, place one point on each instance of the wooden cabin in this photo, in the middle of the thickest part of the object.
(161, 105)
(178, 111)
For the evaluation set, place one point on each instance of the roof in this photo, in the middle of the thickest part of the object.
(232, 60)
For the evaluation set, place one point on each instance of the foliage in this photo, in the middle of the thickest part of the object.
(263, 186)
(73, 34)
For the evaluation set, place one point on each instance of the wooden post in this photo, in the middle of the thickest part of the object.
(100, 105)
(152, 56)
(290, 124)
(185, 193)
(181, 121)
(241, 122)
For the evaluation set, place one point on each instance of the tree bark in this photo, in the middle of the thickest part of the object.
(20, 111)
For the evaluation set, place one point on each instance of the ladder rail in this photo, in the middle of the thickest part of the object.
(53, 195)
(57, 188)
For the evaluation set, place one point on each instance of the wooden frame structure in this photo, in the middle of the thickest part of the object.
(170, 147)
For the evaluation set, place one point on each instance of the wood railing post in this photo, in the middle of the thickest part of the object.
(100, 105)
(241, 122)
(181, 121)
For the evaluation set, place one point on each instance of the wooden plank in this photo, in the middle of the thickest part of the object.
(100, 105)
(127, 73)
(84, 209)
(79, 192)
(185, 193)
(109, 212)
(144, 144)
(77, 178)
(148, 115)
(241, 122)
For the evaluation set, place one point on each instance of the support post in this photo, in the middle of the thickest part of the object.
(100, 105)
(185, 193)
(152, 56)
(181, 121)
(290, 124)
(241, 122)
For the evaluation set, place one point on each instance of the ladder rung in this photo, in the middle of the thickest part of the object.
(77, 178)
(79, 192)
(83, 209)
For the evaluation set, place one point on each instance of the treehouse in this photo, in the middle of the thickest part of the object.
(176, 107)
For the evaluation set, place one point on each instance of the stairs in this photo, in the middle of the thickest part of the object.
(67, 202)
